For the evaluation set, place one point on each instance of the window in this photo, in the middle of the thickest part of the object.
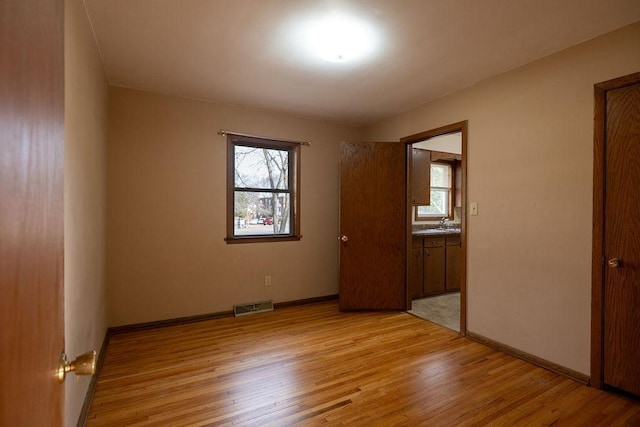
(442, 180)
(262, 189)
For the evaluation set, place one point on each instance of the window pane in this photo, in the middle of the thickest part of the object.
(261, 168)
(439, 204)
(440, 175)
(261, 213)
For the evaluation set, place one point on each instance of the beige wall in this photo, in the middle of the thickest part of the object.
(166, 255)
(530, 171)
(86, 94)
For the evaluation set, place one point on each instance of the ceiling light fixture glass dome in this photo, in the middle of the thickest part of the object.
(339, 38)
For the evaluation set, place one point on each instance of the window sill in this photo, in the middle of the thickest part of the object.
(261, 239)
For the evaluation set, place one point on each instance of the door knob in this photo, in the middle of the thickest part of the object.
(344, 238)
(615, 263)
(85, 364)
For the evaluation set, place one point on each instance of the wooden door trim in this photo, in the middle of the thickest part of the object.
(597, 260)
(461, 127)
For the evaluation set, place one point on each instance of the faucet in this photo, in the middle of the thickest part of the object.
(442, 221)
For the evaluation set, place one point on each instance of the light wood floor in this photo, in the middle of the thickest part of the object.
(313, 365)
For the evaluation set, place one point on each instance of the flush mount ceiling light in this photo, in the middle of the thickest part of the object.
(314, 37)
(338, 38)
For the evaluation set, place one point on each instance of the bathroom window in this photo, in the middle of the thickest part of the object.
(442, 193)
(263, 190)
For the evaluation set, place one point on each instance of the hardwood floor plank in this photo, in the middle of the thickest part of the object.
(314, 365)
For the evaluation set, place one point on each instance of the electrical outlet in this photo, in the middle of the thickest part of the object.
(267, 280)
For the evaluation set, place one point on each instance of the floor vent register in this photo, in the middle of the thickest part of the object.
(252, 308)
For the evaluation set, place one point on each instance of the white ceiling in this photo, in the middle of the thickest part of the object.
(447, 143)
(249, 52)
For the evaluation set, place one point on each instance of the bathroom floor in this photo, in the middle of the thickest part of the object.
(441, 309)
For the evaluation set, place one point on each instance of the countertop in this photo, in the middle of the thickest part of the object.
(436, 232)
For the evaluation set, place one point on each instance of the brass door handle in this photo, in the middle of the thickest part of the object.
(85, 364)
(615, 263)
(344, 238)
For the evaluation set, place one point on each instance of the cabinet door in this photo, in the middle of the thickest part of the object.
(454, 261)
(416, 272)
(421, 177)
(434, 270)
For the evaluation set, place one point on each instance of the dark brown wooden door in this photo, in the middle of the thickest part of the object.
(622, 239)
(372, 226)
(31, 211)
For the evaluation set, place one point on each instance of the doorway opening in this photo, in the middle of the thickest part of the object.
(436, 225)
